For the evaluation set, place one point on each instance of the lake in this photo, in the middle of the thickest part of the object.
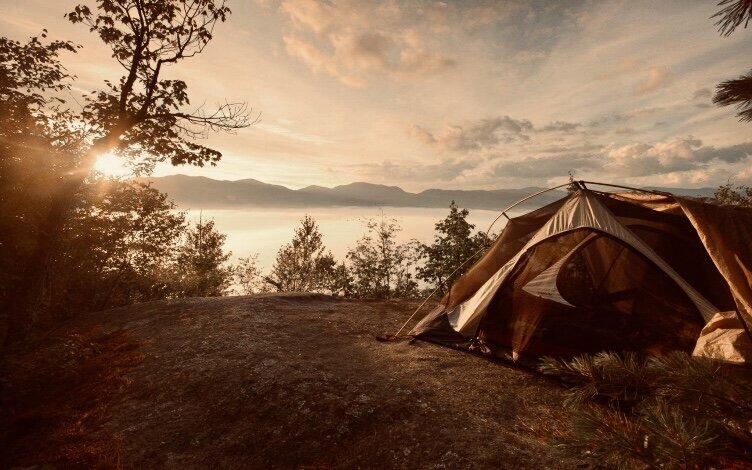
(264, 231)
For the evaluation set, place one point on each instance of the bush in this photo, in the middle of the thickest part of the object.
(673, 411)
(380, 267)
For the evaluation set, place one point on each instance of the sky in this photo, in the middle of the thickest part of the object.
(457, 95)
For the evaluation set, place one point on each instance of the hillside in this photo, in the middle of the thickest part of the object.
(200, 192)
(196, 192)
(298, 381)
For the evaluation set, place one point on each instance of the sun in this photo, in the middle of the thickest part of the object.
(112, 165)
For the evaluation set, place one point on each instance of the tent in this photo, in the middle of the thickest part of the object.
(648, 272)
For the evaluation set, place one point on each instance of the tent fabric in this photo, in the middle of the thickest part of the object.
(726, 233)
(581, 210)
(724, 338)
(598, 271)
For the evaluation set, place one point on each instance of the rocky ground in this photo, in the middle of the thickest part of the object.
(299, 381)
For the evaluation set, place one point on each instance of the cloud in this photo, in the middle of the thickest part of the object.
(731, 154)
(445, 170)
(702, 93)
(609, 119)
(680, 161)
(546, 167)
(623, 67)
(625, 131)
(676, 155)
(487, 133)
(560, 126)
(657, 77)
(358, 41)
(474, 136)
(743, 177)
(585, 147)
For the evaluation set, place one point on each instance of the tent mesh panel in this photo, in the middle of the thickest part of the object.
(622, 301)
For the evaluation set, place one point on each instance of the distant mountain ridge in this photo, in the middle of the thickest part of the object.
(201, 192)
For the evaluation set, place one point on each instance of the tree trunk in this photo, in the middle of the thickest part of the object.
(27, 305)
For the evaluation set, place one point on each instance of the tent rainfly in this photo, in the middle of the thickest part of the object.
(599, 271)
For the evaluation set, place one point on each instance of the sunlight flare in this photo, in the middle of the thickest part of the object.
(111, 165)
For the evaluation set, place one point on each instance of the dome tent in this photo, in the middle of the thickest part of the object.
(599, 271)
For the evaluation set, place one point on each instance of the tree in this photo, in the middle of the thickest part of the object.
(200, 263)
(737, 91)
(303, 265)
(739, 196)
(116, 247)
(248, 276)
(454, 247)
(141, 116)
(380, 267)
(672, 411)
(34, 148)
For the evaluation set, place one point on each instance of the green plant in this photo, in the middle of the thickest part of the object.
(672, 411)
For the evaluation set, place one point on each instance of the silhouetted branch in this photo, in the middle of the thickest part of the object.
(736, 92)
(227, 117)
(732, 15)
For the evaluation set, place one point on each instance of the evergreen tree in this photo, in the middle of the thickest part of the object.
(455, 246)
(303, 265)
(200, 263)
(380, 267)
(672, 411)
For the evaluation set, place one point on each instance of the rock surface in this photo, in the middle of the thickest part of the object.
(299, 381)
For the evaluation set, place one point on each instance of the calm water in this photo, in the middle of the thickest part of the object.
(264, 231)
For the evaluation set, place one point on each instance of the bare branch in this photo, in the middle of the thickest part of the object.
(228, 117)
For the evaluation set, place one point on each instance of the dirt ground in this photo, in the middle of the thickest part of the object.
(299, 381)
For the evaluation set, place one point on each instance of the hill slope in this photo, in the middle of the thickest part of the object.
(201, 192)
(299, 381)
(197, 192)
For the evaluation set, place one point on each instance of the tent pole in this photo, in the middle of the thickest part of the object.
(649, 191)
(580, 184)
(504, 212)
(396, 335)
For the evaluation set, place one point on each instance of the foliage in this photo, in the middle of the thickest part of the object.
(379, 266)
(116, 248)
(141, 115)
(737, 91)
(47, 147)
(672, 411)
(733, 14)
(248, 276)
(31, 159)
(454, 247)
(303, 265)
(29, 74)
(200, 263)
(738, 196)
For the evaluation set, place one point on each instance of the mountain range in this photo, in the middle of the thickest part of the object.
(196, 192)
